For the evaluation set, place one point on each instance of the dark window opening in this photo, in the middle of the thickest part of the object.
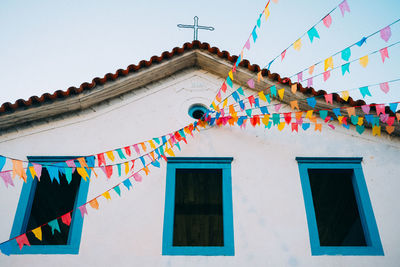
(197, 111)
(198, 217)
(336, 209)
(198, 114)
(51, 200)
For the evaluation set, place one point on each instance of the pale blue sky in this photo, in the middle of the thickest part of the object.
(51, 45)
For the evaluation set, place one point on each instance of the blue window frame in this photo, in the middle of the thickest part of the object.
(24, 212)
(327, 167)
(219, 165)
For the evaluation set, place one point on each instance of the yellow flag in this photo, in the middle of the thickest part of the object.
(281, 92)
(294, 88)
(345, 95)
(230, 75)
(83, 173)
(262, 96)
(281, 125)
(328, 63)
(110, 155)
(294, 104)
(106, 195)
(309, 114)
(340, 118)
(38, 233)
(364, 61)
(33, 172)
(126, 167)
(376, 130)
(152, 145)
(266, 13)
(265, 120)
(360, 121)
(82, 162)
(297, 45)
(351, 111)
(170, 152)
(225, 103)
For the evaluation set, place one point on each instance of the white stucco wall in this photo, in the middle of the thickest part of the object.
(270, 225)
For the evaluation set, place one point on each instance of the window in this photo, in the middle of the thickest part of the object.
(339, 212)
(41, 202)
(197, 111)
(198, 217)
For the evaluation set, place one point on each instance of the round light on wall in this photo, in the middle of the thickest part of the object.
(197, 111)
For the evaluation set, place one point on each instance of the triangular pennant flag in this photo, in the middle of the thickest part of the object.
(345, 54)
(18, 169)
(117, 190)
(389, 129)
(94, 204)
(38, 233)
(240, 91)
(137, 177)
(83, 210)
(273, 90)
(328, 63)
(393, 107)
(110, 155)
(2, 162)
(326, 75)
(310, 82)
(365, 109)
(38, 170)
(229, 81)
(354, 120)
(344, 7)
(364, 61)
(360, 121)
(128, 149)
(277, 107)
(362, 41)
(106, 195)
(323, 114)
(127, 183)
(22, 240)
(283, 55)
(295, 127)
(311, 101)
(380, 108)
(384, 87)
(328, 98)
(254, 34)
(218, 96)
(264, 110)
(83, 173)
(230, 74)
(68, 174)
(156, 163)
(259, 76)
(281, 92)
(300, 76)
(265, 120)
(266, 12)
(305, 126)
(276, 118)
(345, 95)
(365, 91)
(281, 125)
(386, 33)
(360, 129)
(248, 112)
(247, 44)
(6, 176)
(312, 33)
(53, 173)
(262, 96)
(297, 45)
(54, 226)
(120, 153)
(309, 114)
(288, 117)
(336, 111)
(100, 159)
(235, 96)
(345, 68)
(384, 54)
(294, 88)
(318, 127)
(223, 87)
(311, 69)
(250, 83)
(294, 104)
(351, 111)
(327, 21)
(376, 130)
(66, 219)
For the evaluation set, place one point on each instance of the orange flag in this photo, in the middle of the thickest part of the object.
(294, 88)
(318, 127)
(94, 204)
(18, 169)
(294, 104)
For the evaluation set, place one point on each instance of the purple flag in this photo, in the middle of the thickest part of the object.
(344, 7)
(386, 33)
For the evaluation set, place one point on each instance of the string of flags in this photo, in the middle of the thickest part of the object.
(23, 240)
(327, 19)
(345, 54)
(85, 165)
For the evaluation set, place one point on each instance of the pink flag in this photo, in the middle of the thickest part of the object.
(22, 240)
(384, 54)
(380, 108)
(247, 45)
(386, 33)
(135, 146)
(83, 210)
(250, 83)
(300, 76)
(344, 7)
(38, 170)
(277, 107)
(7, 178)
(309, 82)
(137, 177)
(328, 98)
(327, 21)
(66, 218)
(365, 109)
(327, 74)
(70, 163)
(108, 170)
(384, 87)
(283, 55)
(384, 117)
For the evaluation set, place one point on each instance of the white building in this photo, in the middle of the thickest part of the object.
(232, 197)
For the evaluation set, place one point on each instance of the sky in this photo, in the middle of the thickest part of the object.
(51, 45)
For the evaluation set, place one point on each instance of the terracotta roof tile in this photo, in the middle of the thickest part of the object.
(59, 94)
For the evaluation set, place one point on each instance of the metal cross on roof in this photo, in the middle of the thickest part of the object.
(196, 27)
